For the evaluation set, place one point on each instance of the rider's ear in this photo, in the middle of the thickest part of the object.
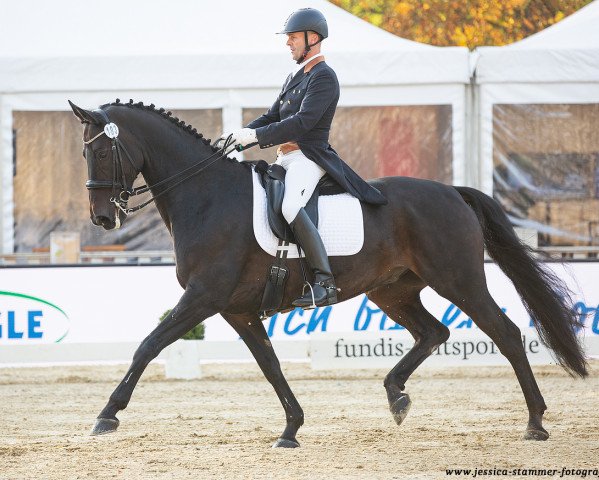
(85, 116)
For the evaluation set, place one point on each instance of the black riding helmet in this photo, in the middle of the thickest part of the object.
(305, 20)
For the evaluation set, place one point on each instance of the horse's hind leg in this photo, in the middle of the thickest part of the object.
(401, 302)
(190, 311)
(461, 280)
(251, 330)
(483, 310)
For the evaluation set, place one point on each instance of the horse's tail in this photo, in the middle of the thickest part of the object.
(546, 298)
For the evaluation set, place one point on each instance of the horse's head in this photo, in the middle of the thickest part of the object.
(111, 166)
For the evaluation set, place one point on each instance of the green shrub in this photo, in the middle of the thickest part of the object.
(196, 333)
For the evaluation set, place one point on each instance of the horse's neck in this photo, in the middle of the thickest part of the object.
(208, 195)
(182, 152)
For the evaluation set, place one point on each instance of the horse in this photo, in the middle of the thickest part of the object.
(429, 234)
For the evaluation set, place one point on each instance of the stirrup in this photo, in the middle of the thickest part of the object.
(311, 293)
(330, 297)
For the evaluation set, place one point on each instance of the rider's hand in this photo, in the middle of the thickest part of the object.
(244, 136)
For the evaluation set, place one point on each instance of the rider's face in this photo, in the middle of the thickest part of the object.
(297, 44)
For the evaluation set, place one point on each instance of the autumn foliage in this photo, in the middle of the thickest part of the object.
(469, 23)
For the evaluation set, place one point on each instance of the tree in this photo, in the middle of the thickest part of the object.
(469, 23)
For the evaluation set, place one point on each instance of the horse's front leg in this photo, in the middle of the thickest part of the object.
(250, 329)
(190, 311)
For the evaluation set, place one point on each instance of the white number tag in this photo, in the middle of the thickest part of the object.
(111, 130)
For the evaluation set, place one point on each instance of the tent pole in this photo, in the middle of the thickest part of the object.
(232, 120)
(472, 138)
(6, 178)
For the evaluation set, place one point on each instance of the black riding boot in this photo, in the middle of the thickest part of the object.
(308, 238)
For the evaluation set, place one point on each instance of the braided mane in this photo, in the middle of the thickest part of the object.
(165, 114)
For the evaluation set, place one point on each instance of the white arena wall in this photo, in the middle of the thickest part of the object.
(91, 314)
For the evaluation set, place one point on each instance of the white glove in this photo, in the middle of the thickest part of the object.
(243, 136)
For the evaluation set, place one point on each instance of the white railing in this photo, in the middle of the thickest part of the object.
(319, 349)
(133, 257)
(569, 253)
(139, 257)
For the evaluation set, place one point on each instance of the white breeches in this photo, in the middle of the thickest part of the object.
(300, 181)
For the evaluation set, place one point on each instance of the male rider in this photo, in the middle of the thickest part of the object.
(299, 122)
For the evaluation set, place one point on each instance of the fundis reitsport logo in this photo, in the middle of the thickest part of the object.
(25, 319)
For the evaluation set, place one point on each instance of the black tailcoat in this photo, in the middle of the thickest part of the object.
(303, 113)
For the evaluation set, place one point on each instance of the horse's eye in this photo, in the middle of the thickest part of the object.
(102, 155)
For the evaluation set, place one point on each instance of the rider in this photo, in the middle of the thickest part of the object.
(299, 122)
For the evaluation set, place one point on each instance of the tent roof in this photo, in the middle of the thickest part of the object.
(565, 52)
(190, 44)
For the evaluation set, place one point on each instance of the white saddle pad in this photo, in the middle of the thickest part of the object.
(340, 224)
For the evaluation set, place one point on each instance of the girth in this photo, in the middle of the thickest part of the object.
(272, 178)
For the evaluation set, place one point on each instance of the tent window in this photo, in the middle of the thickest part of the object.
(49, 186)
(546, 169)
(410, 140)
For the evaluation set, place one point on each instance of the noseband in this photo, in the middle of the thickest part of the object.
(121, 191)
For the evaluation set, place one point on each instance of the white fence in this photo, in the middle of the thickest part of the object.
(324, 351)
(143, 257)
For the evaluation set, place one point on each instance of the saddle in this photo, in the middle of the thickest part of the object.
(272, 178)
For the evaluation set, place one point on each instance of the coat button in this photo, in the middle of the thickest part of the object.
(281, 102)
(289, 102)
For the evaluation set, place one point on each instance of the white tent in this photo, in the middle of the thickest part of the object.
(559, 65)
(195, 54)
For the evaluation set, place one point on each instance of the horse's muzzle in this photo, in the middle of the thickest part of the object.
(103, 221)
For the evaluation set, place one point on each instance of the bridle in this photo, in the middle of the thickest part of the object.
(121, 191)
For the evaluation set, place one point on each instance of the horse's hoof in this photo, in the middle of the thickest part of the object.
(284, 443)
(539, 435)
(400, 408)
(104, 426)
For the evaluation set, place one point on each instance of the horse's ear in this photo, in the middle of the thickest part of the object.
(85, 116)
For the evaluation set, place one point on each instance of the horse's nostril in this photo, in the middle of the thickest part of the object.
(101, 220)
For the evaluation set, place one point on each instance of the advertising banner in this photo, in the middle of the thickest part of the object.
(386, 349)
(124, 303)
(84, 304)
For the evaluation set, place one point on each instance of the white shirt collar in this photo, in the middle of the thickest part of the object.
(304, 63)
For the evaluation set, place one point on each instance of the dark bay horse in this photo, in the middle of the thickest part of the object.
(428, 234)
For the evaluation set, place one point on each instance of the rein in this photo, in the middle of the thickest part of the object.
(124, 192)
